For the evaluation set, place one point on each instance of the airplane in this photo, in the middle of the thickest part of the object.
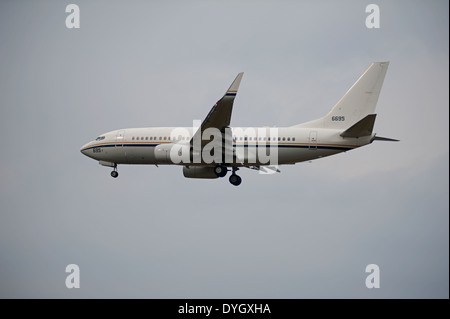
(213, 149)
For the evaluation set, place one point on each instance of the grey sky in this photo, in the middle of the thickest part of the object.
(307, 232)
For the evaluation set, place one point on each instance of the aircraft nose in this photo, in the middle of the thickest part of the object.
(84, 148)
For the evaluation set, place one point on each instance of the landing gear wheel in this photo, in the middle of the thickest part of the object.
(220, 171)
(235, 180)
(114, 174)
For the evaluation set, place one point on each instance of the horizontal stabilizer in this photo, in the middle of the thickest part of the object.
(379, 138)
(362, 128)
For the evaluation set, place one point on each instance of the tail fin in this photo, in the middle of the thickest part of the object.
(359, 101)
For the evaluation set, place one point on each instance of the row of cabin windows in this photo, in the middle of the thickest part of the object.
(182, 138)
(264, 139)
(160, 138)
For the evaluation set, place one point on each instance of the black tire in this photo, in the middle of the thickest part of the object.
(235, 180)
(220, 171)
(114, 174)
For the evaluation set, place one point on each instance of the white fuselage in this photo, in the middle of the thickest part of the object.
(137, 145)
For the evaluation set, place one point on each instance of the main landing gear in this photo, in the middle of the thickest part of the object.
(115, 173)
(235, 179)
(221, 171)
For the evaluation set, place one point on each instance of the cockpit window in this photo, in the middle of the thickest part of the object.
(100, 138)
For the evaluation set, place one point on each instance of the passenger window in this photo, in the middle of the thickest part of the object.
(240, 138)
(132, 138)
(165, 138)
(146, 138)
(289, 139)
(160, 138)
(279, 139)
(284, 139)
(245, 138)
(293, 139)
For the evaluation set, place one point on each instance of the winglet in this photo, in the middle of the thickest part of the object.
(235, 85)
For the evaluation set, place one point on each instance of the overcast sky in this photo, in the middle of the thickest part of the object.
(307, 232)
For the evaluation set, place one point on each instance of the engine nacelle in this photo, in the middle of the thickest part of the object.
(172, 153)
(199, 172)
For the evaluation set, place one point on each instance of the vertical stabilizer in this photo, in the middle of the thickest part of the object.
(359, 101)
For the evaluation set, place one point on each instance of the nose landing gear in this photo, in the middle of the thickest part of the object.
(115, 173)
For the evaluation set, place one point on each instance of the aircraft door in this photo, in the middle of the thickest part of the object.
(119, 139)
(313, 140)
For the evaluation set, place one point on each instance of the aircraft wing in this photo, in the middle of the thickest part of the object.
(220, 115)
